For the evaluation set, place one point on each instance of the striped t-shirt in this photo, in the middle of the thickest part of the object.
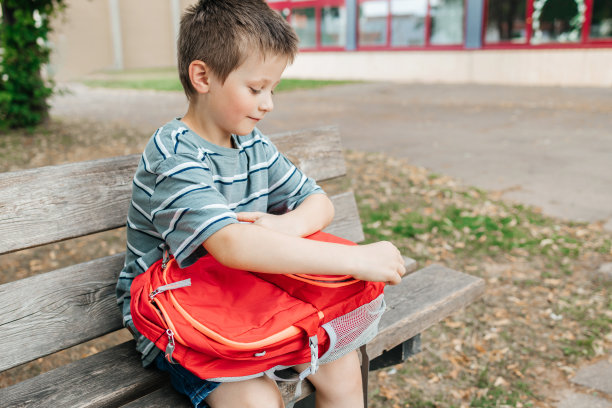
(185, 189)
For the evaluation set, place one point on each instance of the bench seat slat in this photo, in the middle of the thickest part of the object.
(110, 378)
(54, 203)
(423, 298)
(163, 398)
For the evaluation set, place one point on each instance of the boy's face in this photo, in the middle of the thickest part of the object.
(246, 96)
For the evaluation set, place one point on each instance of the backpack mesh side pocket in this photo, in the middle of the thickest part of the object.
(353, 330)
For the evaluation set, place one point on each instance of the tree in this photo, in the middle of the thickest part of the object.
(23, 53)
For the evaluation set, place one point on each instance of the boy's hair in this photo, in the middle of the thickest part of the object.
(222, 33)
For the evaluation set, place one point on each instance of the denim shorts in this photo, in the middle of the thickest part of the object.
(186, 382)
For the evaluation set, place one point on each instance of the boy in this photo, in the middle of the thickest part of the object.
(210, 182)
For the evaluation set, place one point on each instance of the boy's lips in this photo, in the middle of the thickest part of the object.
(255, 119)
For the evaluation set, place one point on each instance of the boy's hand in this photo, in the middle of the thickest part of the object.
(379, 262)
(273, 222)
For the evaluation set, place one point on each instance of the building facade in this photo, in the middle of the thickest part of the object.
(406, 25)
(517, 42)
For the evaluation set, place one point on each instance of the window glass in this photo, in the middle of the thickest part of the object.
(408, 22)
(373, 22)
(557, 21)
(446, 22)
(506, 21)
(333, 26)
(601, 24)
(304, 23)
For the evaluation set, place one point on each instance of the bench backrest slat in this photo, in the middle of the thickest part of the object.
(49, 312)
(55, 203)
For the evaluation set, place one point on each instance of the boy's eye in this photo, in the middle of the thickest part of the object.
(255, 91)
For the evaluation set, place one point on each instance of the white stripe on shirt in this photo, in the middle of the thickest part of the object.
(142, 212)
(143, 186)
(202, 228)
(173, 197)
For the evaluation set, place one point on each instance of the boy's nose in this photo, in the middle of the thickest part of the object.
(267, 104)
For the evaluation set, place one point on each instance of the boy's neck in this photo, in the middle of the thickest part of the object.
(198, 124)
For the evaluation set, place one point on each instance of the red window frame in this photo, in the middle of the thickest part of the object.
(317, 5)
(586, 29)
(585, 40)
(427, 43)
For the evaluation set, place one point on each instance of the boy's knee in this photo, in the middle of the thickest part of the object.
(340, 378)
(256, 393)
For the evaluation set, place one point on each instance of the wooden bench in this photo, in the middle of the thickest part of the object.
(49, 312)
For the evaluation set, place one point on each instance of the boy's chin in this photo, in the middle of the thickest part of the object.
(243, 131)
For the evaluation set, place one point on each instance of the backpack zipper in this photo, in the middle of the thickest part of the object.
(324, 280)
(171, 286)
(170, 347)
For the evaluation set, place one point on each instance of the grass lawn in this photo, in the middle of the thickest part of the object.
(166, 79)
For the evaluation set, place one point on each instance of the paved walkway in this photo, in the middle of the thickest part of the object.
(550, 147)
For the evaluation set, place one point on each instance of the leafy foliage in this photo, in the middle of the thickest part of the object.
(24, 51)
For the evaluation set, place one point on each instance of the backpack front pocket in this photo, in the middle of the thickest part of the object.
(237, 313)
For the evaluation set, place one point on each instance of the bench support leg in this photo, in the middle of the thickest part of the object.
(308, 402)
(398, 354)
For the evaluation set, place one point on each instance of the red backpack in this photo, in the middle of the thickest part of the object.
(224, 324)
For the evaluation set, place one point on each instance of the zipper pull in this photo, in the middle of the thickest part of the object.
(170, 347)
(314, 353)
(170, 286)
(166, 257)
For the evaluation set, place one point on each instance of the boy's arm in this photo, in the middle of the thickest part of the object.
(255, 248)
(313, 214)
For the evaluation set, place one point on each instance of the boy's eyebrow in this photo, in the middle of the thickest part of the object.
(265, 81)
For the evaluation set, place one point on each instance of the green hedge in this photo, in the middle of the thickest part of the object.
(24, 51)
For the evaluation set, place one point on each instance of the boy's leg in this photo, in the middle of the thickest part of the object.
(258, 392)
(338, 383)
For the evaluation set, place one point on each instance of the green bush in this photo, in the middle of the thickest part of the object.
(24, 51)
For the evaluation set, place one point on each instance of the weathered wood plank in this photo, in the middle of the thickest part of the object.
(56, 310)
(422, 299)
(317, 152)
(54, 203)
(163, 398)
(108, 379)
(346, 222)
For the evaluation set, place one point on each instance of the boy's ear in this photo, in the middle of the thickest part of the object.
(199, 75)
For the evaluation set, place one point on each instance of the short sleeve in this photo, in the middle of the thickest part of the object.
(186, 208)
(288, 186)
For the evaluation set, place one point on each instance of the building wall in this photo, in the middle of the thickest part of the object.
(84, 42)
(147, 33)
(83, 37)
(81, 40)
(569, 67)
